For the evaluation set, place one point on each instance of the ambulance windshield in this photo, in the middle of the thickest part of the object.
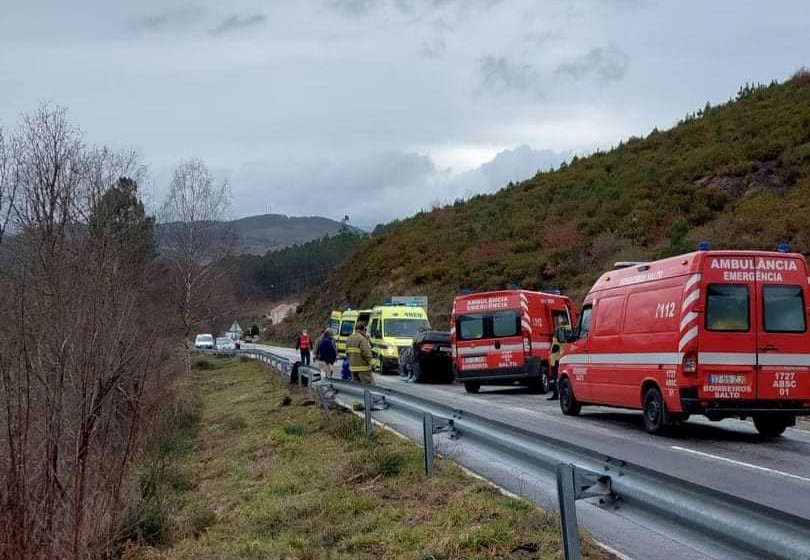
(784, 308)
(727, 308)
(403, 328)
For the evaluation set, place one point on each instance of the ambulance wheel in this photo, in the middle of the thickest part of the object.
(472, 387)
(769, 425)
(539, 385)
(568, 402)
(656, 419)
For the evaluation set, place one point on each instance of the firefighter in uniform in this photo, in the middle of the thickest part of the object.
(554, 364)
(358, 353)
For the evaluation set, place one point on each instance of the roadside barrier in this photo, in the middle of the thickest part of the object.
(666, 504)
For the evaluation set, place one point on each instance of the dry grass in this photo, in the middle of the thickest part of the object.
(275, 481)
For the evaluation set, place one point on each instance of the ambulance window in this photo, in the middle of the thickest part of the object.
(346, 328)
(505, 323)
(784, 309)
(470, 327)
(374, 329)
(559, 318)
(584, 322)
(727, 308)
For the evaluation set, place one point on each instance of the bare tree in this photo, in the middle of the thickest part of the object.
(194, 239)
(80, 341)
(8, 184)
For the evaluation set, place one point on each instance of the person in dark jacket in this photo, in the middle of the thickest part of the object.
(326, 353)
(304, 345)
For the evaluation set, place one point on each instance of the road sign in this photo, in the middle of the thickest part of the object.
(235, 332)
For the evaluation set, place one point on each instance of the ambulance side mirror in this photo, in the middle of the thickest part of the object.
(563, 335)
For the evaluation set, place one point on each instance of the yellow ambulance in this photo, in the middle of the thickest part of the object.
(391, 330)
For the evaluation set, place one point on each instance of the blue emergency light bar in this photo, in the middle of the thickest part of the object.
(704, 245)
(783, 248)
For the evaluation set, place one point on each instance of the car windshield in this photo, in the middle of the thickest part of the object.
(205, 338)
(403, 328)
(224, 340)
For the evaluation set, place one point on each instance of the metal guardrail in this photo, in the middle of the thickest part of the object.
(662, 502)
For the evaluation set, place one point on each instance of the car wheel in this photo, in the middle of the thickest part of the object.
(471, 387)
(770, 425)
(568, 402)
(656, 420)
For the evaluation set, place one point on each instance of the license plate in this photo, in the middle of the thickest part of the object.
(728, 380)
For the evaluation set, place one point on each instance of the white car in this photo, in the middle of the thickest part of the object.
(204, 342)
(224, 343)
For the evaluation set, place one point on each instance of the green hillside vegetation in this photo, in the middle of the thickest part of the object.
(294, 270)
(736, 174)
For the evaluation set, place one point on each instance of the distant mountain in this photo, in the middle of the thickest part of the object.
(270, 232)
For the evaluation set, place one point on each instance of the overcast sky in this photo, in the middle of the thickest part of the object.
(376, 109)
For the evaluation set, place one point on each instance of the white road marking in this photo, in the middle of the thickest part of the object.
(613, 551)
(740, 463)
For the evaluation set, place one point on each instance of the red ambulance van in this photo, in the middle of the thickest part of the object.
(504, 337)
(719, 333)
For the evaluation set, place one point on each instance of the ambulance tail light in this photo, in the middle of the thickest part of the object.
(527, 345)
(690, 363)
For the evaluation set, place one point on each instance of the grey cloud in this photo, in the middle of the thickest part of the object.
(236, 22)
(180, 17)
(433, 48)
(380, 186)
(608, 65)
(515, 165)
(498, 73)
(352, 7)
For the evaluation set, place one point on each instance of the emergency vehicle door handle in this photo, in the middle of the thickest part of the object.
(497, 345)
(768, 348)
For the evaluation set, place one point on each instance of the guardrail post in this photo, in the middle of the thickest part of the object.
(367, 404)
(574, 483)
(427, 442)
(567, 495)
(322, 389)
(432, 425)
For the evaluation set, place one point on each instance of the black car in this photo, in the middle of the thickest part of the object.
(429, 359)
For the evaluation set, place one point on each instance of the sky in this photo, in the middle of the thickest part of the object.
(377, 109)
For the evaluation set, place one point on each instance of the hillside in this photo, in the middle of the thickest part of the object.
(270, 232)
(293, 270)
(736, 174)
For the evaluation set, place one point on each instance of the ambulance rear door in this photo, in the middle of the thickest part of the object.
(783, 349)
(727, 365)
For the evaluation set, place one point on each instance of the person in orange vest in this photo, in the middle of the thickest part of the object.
(304, 345)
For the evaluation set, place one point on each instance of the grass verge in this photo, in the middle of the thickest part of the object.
(275, 480)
